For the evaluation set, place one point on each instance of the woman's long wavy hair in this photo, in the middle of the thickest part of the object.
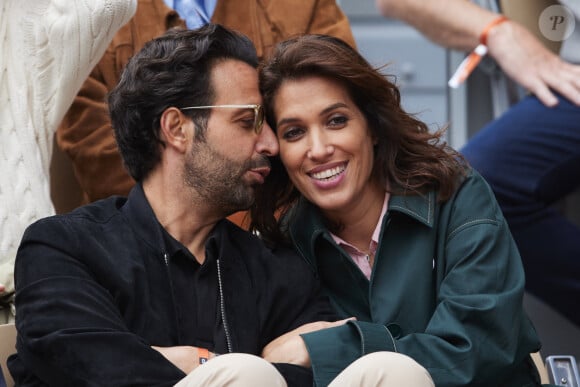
(408, 157)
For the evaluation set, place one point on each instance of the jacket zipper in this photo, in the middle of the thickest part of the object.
(167, 269)
(222, 303)
(223, 308)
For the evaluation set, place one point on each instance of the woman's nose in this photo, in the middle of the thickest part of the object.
(320, 147)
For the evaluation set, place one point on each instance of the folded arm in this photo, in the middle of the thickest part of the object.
(71, 330)
(290, 347)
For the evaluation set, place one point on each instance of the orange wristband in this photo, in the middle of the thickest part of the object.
(470, 63)
(202, 355)
(498, 20)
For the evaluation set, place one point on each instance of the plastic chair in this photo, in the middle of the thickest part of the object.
(557, 370)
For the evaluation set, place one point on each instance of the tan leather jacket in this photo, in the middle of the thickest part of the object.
(86, 134)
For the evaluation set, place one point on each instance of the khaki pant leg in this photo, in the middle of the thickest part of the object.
(383, 369)
(234, 369)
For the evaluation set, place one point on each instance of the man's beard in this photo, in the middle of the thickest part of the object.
(218, 180)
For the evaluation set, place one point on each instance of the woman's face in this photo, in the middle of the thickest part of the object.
(325, 144)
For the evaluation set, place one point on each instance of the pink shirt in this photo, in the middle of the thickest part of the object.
(361, 259)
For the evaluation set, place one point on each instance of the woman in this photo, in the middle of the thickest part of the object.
(405, 237)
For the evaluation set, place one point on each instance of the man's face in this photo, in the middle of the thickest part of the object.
(232, 159)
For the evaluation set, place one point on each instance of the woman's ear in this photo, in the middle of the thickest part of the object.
(175, 128)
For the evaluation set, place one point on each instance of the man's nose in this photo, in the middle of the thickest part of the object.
(267, 142)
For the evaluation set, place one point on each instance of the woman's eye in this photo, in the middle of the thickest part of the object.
(338, 121)
(292, 133)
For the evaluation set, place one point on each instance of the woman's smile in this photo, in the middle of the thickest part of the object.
(328, 177)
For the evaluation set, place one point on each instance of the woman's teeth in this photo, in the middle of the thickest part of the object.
(329, 173)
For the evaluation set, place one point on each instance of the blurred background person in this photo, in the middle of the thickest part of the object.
(47, 49)
(531, 154)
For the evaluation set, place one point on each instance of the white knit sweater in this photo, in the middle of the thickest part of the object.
(47, 50)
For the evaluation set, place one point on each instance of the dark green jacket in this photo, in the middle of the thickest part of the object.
(446, 289)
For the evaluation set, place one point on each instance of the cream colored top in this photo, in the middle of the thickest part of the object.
(47, 50)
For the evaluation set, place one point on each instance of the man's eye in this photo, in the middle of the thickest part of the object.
(247, 123)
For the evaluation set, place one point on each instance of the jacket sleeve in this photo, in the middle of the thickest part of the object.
(70, 332)
(86, 135)
(328, 19)
(332, 350)
(296, 296)
(477, 329)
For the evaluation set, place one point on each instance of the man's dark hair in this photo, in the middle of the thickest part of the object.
(172, 70)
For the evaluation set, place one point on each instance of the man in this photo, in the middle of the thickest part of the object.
(141, 290)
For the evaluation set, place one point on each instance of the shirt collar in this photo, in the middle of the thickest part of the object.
(139, 214)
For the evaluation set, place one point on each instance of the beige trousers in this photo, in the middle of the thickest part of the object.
(382, 369)
(379, 369)
(234, 370)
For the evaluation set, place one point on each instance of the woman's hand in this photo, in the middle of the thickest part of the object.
(290, 348)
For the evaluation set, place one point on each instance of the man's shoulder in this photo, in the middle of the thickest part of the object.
(97, 213)
(100, 211)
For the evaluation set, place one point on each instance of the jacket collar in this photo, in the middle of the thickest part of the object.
(139, 214)
(418, 207)
(306, 224)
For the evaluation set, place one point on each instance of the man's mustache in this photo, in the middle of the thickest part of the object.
(259, 162)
